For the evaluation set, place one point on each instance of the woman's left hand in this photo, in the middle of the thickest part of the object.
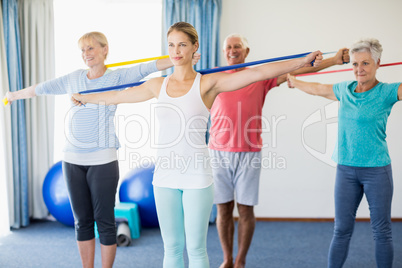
(75, 98)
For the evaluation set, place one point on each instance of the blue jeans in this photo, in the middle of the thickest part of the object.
(183, 219)
(350, 185)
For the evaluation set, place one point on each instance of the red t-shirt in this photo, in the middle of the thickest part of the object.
(236, 118)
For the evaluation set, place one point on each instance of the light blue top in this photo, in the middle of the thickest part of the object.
(362, 123)
(91, 128)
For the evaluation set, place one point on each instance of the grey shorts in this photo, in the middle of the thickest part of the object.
(236, 176)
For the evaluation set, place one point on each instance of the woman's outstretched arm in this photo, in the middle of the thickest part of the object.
(316, 89)
(143, 92)
(25, 93)
(213, 84)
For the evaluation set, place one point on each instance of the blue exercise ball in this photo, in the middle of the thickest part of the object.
(55, 195)
(137, 187)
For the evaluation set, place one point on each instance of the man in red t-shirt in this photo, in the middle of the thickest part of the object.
(235, 145)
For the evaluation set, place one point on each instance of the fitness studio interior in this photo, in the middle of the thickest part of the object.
(296, 208)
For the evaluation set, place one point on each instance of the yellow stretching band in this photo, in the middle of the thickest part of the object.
(136, 61)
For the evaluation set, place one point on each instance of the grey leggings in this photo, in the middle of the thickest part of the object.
(92, 191)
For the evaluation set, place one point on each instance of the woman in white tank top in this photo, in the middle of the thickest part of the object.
(183, 183)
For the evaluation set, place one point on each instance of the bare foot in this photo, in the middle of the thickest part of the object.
(239, 264)
(226, 264)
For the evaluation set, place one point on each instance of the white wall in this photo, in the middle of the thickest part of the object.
(304, 187)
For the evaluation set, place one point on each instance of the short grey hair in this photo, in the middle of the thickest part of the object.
(371, 45)
(242, 38)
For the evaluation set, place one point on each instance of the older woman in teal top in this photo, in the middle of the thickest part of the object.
(364, 165)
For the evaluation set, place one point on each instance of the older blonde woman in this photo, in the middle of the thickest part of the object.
(90, 163)
(364, 165)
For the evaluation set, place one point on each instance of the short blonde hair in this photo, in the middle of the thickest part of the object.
(97, 36)
(370, 45)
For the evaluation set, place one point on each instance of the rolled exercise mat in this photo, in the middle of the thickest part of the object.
(123, 235)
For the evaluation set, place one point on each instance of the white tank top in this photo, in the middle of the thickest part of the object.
(182, 153)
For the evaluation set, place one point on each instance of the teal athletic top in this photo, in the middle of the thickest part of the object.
(362, 123)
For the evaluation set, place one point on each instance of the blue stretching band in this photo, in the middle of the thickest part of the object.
(208, 71)
(242, 65)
